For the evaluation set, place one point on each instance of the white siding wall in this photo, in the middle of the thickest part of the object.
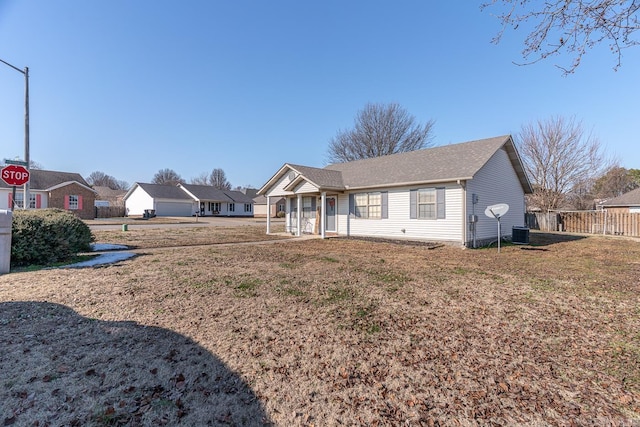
(495, 183)
(138, 201)
(305, 188)
(278, 188)
(5, 192)
(448, 229)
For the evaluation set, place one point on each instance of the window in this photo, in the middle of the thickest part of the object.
(73, 203)
(308, 207)
(232, 207)
(20, 198)
(368, 205)
(214, 207)
(247, 207)
(427, 203)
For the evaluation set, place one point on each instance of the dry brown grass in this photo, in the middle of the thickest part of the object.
(327, 332)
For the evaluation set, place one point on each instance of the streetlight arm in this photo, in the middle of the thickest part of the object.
(15, 68)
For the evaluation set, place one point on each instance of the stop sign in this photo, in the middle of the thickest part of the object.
(15, 175)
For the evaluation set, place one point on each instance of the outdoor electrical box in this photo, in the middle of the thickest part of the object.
(473, 218)
(6, 218)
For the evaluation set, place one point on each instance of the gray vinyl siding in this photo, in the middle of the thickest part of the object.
(494, 183)
(398, 212)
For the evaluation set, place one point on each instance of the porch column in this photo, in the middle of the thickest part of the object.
(268, 215)
(299, 216)
(323, 214)
(287, 208)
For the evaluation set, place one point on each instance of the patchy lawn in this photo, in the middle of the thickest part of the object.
(327, 332)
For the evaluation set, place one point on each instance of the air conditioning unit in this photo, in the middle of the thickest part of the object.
(520, 235)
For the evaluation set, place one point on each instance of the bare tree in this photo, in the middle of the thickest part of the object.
(561, 160)
(571, 26)
(101, 179)
(218, 179)
(202, 179)
(167, 177)
(35, 165)
(379, 130)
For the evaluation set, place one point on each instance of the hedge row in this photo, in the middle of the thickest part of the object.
(46, 236)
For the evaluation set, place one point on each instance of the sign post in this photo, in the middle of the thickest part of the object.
(15, 175)
(497, 211)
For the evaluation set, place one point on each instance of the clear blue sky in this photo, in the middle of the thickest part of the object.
(130, 87)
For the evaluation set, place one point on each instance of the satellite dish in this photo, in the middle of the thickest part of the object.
(496, 211)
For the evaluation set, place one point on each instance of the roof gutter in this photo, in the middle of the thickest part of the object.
(409, 184)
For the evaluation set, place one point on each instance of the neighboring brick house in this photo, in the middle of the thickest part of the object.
(53, 189)
(627, 203)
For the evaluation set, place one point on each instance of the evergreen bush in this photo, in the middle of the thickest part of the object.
(45, 236)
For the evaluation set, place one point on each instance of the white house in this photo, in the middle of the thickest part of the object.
(186, 200)
(437, 194)
(215, 202)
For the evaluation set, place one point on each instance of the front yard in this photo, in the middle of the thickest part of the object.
(327, 332)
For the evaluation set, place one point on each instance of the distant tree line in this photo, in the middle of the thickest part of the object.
(101, 179)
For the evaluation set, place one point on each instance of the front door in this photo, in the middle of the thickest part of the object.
(331, 214)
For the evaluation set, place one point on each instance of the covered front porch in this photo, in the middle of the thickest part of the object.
(309, 213)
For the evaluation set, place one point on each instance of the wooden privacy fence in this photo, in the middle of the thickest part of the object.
(110, 211)
(541, 221)
(591, 222)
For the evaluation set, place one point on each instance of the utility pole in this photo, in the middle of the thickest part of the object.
(26, 202)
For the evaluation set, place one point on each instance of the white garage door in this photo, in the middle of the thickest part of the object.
(173, 209)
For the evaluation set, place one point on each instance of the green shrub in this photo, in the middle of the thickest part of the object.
(45, 236)
(280, 214)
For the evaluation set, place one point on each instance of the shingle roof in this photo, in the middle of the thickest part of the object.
(159, 191)
(443, 163)
(439, 164)
(44, 179)
(631, 198)
(321, 178)
(209, 193)
(238, 196)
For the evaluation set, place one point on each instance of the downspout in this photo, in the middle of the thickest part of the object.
(463, 184)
